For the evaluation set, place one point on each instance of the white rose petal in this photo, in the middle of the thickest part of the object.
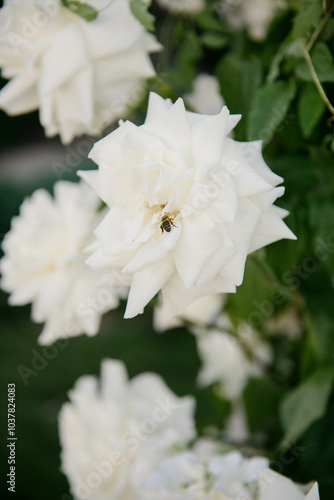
(81, 75)
(273, 486)
(201, 312)
(213, 194)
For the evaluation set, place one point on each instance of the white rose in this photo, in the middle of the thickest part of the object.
(194, 475)
(81, 75)
(215, 475)
(205, 97)
(255, 15)
(187, 205)
(106, 427)
(44, 262)
(236, 428)
(225, 357)
(288, 323)
(201, 312)
(182, 6)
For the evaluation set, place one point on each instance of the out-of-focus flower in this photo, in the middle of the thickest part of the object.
(210, 473)
(106, 427)
(187, 205)
(225, 360)
(255, 15)
(287, 323)
(201, 312)
(182, 6)
(205, 97)
(81, 75)
(236, 428)
(44, 262)
(194, 475)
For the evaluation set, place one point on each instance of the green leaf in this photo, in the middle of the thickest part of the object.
(269, 108)
(239, 78)
(306, 404)
(139, 10)
(310, 109)
(258, 294)
(307, 17)
(214, 40)
(81, 9)
(322, 60)
(208, 21)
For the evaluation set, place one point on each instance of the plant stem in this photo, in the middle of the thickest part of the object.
(318, 29)
(317, 82)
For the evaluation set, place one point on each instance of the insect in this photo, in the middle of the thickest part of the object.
(166, 223)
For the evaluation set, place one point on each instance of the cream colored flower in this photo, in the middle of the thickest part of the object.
(198, 474)
(108, 426)
(44, 262)
(210, 473)
(205, 97)
(287, 323)
(81, 75)
(182, 6)
(187, 204)
(230, 360)
(201, 312)
(255, 15)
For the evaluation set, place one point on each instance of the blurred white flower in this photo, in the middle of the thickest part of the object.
(255, 15)
(187, 205)
(182, 6)
(225, 357)
(201, 312)
(81, 75)
(236, 428)
(205, 97)
(194, 475)
(287, 323)
(210, 473)
(44, 262)
(106, 427)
